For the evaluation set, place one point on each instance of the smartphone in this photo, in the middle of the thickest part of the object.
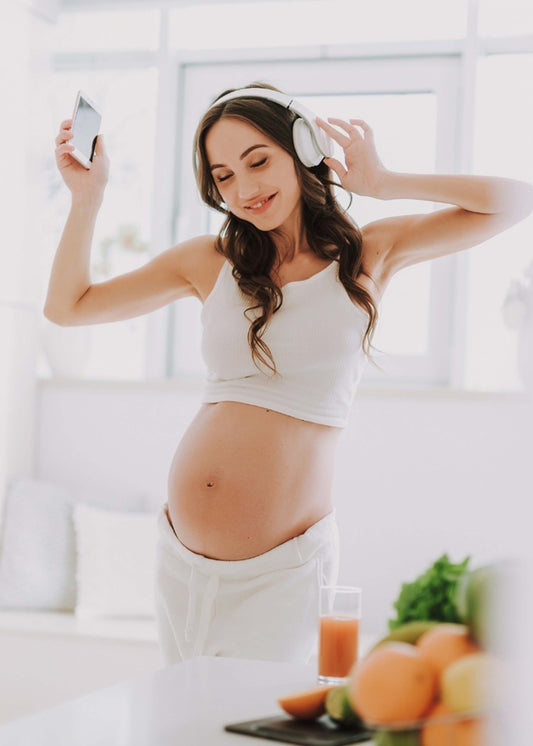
(85, 127)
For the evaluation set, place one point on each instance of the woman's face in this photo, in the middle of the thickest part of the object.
(255, 177)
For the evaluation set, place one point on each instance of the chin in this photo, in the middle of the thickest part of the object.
(262, 225)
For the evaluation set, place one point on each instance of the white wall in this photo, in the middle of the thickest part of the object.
(418, 474)
(25, 29)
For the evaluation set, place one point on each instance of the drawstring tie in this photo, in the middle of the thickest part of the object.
(206, 609)
(190, 606)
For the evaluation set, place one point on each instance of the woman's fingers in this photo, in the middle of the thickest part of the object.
(336, 166)
(62, 151)
(65, 147)
(63, 136)
(364, 126)
(65, 131)
(350, 130)
(333, 133)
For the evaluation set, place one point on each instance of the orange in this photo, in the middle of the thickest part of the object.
(471, 732)
(444, 644)
(392, 684)
(306, 705)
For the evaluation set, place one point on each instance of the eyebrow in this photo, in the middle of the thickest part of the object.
(242, 155)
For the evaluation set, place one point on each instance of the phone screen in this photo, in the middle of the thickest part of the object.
(85, 128)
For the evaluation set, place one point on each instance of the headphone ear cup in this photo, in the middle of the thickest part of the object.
(304, 143)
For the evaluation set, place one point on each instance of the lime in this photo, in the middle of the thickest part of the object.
(396, 738)
(340, 710)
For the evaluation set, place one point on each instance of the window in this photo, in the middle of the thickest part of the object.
(411, 106)
(108, 30)
(441, 94)
(509, 18)
(503, 146)
(122, 239)
(297, 22)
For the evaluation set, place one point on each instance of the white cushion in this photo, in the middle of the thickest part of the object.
(37, 563)
(115, 562)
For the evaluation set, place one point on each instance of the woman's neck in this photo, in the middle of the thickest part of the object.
(289, 246)
(290, 239)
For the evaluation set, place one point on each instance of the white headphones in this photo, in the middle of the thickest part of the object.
(311, 143)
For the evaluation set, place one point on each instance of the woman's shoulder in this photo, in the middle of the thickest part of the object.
(201, 262)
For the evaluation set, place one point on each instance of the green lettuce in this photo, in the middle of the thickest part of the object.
(431, 596)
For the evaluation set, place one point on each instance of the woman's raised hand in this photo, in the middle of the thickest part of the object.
(363, 171)
(82, 182)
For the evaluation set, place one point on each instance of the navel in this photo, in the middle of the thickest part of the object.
(212, 479)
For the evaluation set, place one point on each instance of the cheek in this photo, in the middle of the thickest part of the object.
(224, 193)
(294, 190)
(291, 180)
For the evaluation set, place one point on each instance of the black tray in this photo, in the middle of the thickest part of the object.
(321, 732)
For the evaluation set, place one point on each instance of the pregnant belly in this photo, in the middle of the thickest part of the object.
(245, 479)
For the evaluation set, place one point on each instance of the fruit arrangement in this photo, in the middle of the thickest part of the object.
(428, 682)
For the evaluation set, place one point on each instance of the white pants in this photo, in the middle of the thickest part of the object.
(264, 608)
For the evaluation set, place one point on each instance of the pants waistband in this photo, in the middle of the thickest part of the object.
(291, 553)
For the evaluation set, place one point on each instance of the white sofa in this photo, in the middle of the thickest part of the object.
(48, 658)
(76, 596)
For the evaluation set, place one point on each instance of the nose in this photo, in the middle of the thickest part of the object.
(247, 186)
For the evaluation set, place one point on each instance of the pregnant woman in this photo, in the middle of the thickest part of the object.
(290, 290)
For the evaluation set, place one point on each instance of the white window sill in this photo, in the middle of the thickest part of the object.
(365, 390)
(65, 624)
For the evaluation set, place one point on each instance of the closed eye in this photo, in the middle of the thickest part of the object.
(257, 164)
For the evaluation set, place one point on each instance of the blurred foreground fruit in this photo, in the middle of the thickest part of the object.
(408, 632)
(306, 705)
(444, 644)
(340, 710)
(473, 601)
(396, 738)
(393, 683)
(470, 682)
(455, 733)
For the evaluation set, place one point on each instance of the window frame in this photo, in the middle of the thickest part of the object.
(167, 227)
(200, 82)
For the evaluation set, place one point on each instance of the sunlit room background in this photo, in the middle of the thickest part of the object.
(438, 96)
(435, 458)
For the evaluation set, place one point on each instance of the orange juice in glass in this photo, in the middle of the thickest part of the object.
(339, 617)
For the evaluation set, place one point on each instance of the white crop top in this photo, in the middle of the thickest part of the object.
(315, 339)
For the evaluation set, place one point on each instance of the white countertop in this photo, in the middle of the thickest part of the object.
(188, 703)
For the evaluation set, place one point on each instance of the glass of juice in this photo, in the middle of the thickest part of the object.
(339, 617)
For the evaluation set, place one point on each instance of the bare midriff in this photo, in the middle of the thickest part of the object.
(245, 479)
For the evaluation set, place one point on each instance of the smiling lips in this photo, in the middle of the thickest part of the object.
(261, 205)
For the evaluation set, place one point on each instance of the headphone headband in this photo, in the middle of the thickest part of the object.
(311, 143)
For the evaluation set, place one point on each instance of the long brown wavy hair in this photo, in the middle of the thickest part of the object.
(330, 233)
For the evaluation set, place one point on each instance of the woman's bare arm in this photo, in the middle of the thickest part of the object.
(171, 275)
(72, 298)
(483, 205)
(70, 277)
